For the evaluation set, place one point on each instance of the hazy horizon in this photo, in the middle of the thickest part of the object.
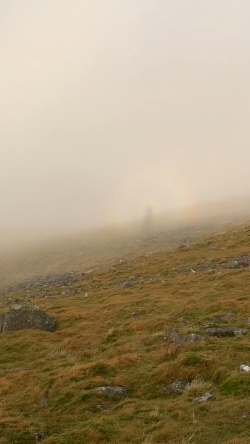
(108, 108)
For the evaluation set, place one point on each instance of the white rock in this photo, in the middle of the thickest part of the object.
(204, 397)
(245, 368)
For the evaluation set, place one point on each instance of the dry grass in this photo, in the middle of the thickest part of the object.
(197, 387)
(99, 343)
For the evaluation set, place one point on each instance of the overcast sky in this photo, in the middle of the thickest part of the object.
(109, 106)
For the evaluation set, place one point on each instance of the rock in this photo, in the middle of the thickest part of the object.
(204, 398)
(135, 314)
(245, 368)
(171, 335)
(125, 284)
(102, 407)
(231, 265)
(121, 260)
(222, 318)
(178, 386)
(241, 261)
(182, 269)
(40, 436)
(113, 269)
(245, 414)
(192, 337)
(47, 282)
(22, 317)
(225, 331)
(111, 391)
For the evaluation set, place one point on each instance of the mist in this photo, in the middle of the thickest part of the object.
(111, 107)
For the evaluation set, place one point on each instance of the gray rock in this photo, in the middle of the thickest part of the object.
(240, 261)
(225, 331)
(22, 317)
(121, 260)
(102, 407)
(178, 386)
(222, 318)
(40, 436)
(125, 284)
(47, 282)
(135, 314)
(204, 398)
(120, 392)
(231, 265)
(170, 335)
(192, 337)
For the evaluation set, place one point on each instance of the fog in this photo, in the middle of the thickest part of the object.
(110, 107)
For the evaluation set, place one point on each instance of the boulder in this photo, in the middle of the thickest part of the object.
(22, 317)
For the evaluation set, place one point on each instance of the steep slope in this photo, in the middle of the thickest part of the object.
(140, 324)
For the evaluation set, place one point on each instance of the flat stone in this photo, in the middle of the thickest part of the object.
(225, 331)
(204, 398)
(111, 391)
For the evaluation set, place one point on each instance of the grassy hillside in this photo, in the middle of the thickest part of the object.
(111, 334)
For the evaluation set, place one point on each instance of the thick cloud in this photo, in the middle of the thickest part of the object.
(108, 107)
